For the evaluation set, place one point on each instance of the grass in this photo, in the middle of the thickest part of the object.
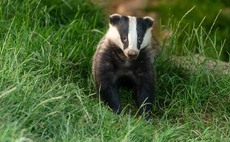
(205, 11)
(47, 94)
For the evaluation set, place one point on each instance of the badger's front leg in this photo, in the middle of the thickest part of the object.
(104, 77)
(144, 95)
(110, 96)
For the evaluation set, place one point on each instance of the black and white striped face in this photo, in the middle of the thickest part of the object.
(131, 34)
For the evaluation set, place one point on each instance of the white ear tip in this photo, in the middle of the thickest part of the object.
(150, 18)
(115, 14)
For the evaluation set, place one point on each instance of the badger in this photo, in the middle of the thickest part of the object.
(124, 58)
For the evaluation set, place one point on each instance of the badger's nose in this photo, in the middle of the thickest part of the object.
(133, 54)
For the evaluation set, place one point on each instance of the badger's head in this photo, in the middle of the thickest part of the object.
(130, 34)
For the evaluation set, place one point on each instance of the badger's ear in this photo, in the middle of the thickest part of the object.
(149, 21)
(114, 19)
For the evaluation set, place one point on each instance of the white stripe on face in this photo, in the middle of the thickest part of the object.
(147, 38)
(132, 35)
(114, 35)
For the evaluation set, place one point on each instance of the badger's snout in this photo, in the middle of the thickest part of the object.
(132, 54)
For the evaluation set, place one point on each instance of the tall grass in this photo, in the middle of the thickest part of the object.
(46, 89)
(204, 11)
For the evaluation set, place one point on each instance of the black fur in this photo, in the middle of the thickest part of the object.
(112, 72)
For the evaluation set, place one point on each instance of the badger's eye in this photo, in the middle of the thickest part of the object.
(124, 38)
(139, 40)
